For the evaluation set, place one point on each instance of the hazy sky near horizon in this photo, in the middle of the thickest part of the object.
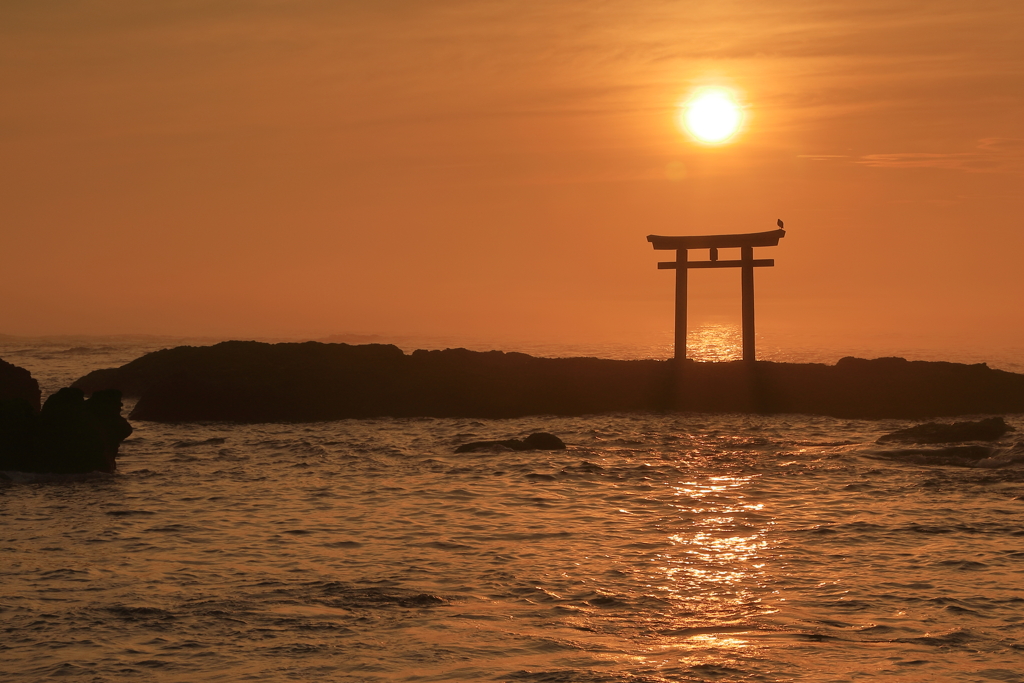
(308, 167)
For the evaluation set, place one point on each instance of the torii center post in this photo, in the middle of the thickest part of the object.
(746, 264)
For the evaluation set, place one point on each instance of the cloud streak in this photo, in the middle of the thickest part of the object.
(992, 155)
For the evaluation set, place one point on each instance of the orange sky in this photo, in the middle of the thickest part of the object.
(305, 168)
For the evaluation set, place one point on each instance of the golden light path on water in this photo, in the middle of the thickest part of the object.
(714, 343)
(715, 553)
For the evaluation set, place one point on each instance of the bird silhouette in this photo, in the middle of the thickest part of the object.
(780, 223)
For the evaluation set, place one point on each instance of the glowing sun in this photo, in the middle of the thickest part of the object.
(712, 115)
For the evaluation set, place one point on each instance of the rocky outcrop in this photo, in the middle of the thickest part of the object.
(538, 441)
(69, 435)
(988, 429)
(258, 382)
(18, 384)
(852, 388)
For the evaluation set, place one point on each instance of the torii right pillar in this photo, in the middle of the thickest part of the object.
(746, 264)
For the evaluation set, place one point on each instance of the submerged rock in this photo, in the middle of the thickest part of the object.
(973, 455)
(538, 441)
(543, 441)
(989, 429)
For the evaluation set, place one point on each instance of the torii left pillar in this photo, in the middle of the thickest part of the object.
(746, 264)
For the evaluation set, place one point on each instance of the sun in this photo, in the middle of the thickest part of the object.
(712, 115)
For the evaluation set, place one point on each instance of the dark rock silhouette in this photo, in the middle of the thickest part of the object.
(19, 434)
(538, 441)
(69, 435)
(103, 414)
(542, 441)
(17, 383)
(19, 403)
(988, 429)
(307, 382)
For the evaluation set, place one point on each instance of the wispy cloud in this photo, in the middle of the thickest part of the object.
(991, 155)
(821, 157)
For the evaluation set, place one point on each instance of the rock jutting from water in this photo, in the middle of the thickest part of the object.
(988, 429)
(70, 435)
(18, 384)
(538, 441)
(242, 381)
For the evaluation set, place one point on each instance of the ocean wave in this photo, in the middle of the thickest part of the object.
(357, 549)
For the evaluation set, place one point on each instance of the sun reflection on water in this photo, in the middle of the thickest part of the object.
(717, 343)
(715, 570)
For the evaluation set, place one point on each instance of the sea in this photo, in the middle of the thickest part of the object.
(656, 547)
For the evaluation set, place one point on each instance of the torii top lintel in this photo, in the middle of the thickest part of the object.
(752, 239)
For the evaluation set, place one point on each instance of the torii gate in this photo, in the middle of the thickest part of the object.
(747, 263)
